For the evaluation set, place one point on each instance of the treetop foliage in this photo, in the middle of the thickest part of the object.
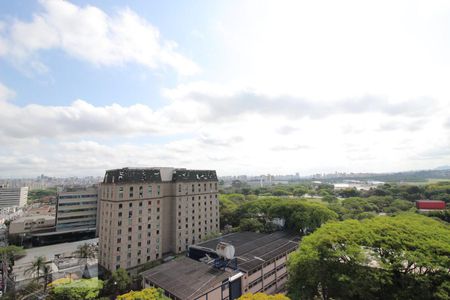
(145, 294)
(401, 257)
(262, 296)
(76, 289)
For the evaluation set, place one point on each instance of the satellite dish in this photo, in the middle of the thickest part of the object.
(225, 250)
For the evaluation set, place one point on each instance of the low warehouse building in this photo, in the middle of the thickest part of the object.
(430, 205)
(227, 267)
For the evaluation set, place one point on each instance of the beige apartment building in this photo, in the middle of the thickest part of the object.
(32, 224)
(150, 212)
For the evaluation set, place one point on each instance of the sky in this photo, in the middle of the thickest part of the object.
(242, 87)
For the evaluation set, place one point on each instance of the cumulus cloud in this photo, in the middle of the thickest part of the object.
(88, 33)
(184, 132)
(189, 109)
(81, 118)
(222, 103)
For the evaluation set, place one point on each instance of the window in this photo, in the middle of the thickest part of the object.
(120, 205)
(130, 204)
(120, 214)
(150, 191)
(179, 188)
(119, 240)
(158, 189)
(141, 194)
(192, 190)
(131, 192)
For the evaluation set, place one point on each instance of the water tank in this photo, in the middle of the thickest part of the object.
(225, 250)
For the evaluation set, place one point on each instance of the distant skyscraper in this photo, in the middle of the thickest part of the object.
(146, 213)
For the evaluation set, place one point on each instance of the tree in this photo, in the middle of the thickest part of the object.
(300, 191)
(118, 283)
(301, 216)
(83, 253)
(76, 290)
(400, 257)
(145, 294)
(47, 272)
(262, 296)
(349, 192)
(250, 224)
(36, 266)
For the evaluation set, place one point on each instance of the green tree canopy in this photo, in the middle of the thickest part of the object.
(262, 296)
(118, 283)
(402, 257)
(77, 290)
(145, 294)
(249, 224)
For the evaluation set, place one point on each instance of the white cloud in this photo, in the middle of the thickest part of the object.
(358, 86)
(5, 93)
(89, 34)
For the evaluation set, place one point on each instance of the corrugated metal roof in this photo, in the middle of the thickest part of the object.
(253, 249)
(186, 278)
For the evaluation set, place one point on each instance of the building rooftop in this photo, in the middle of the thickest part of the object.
(194, 175)
(186, 278)
(253, 249)
(138, 175)
(34, 217)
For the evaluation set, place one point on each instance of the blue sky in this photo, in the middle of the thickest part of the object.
(244, 87)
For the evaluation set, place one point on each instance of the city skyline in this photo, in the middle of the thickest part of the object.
(240, 87)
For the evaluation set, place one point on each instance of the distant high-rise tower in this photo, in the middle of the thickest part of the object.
(148, 212)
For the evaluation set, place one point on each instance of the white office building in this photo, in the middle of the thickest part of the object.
(10, 197)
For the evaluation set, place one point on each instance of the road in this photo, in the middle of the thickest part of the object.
(50, 251)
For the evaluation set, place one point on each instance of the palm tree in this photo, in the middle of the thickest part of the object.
(83, 253)
(47, 271)
(36, 267)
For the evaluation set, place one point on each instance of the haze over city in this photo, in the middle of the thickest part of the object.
(255, 88)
